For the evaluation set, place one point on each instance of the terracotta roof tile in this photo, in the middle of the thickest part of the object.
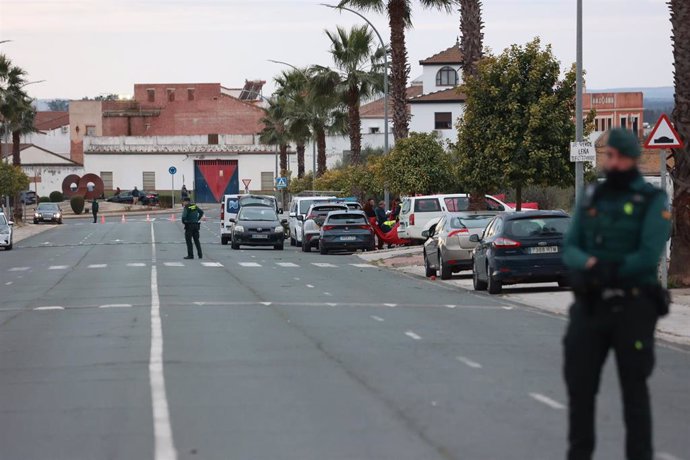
(374, 109)
(444, 95)
(450, 56)
(45, 121)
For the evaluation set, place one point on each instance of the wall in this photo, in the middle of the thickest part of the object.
(54, 140)
(51, 177)
(423, 118)
(81, 114)
(429, 77)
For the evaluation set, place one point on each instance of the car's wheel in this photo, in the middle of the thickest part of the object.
(35, 222)
(9, 247)
(478, 284)
(563, 283)
(323, 250)
(278, 247)
(428, 271)
(306, 247)
(60, 222)
(293, 242)
(234, 245)
(446, 271)
(493, 285)
(224, 240)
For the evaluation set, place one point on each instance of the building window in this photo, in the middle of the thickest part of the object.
(213, 139)
(151, 95)
(107, 177)
(634, 125)
(190, 94)
(443, 120)
(171, 94)
(149, 180)
(624, 122)
(374, 130)
(447, 76)
(267, 180)
(90, 130)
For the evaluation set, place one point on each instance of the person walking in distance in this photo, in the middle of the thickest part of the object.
(135, 195)
(184, 193)
(613, 248)
(191, 219)
(94, 210)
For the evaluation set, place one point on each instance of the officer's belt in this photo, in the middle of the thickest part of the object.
(620, 293)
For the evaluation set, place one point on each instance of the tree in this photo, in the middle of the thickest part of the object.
(293, 87)
(399, 18)
(679, 271)
(518, 122)
(417, 165)
(359, 75)
(471, 36)
(58, 105)
(275, 130)
(12, 181)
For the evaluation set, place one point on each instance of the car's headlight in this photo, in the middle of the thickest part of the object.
(35, 214)
(239, 228)
(279, 229)
(57, 215)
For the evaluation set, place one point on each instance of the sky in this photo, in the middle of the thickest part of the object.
(91, 47)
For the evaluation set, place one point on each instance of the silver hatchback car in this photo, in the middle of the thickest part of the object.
(5, 232)
(448, 247)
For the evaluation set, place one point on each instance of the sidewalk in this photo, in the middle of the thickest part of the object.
(24, 231)
(546, 296)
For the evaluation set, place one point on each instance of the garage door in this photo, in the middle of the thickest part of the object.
(215, 178)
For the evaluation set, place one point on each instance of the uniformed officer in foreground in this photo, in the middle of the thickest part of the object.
(612, 249)
(191, 218)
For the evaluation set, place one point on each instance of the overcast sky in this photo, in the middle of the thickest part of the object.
(90, 47)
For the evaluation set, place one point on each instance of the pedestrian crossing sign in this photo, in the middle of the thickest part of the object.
(281, 182)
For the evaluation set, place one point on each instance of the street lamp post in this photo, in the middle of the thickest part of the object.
(385, 84)
(579, 128)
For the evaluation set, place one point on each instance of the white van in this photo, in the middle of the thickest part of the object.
(230, 206)
(299, 206)
(417, 211)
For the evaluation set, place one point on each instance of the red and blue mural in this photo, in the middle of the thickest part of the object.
(215, 178)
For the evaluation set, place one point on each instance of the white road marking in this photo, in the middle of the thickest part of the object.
(97, 265)
(19, 269)
(249, 264)
(268, 304)
(164, 446)
(450, 306)
(323, 265)
(173, 264)
(377, 318)
(507, 308)
(116, 305)
(328, 294)
(287, 264)
(211, 264)
(136, 264)
(362, 265)
(51, 307)
(58, 267)
(413, 335)
(310, 286)
(666, 456)
(296, 279)
(392, 305)
(8, 283)
(548, 401)
(199, 303)
(469, 362)
(332, 304)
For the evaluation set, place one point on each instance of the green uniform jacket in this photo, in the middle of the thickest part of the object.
(192, 214)
(629, 227)
(94, 206)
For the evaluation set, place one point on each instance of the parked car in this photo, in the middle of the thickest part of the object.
(448, 247)
(6, 232)
(353, 205)
(28, 197)
(48, 212)
(521, 247)
(346, 230)
(300, 207)
(257, 226)
(311, 224)
(145, 198)
(231, 205)
(417, 211)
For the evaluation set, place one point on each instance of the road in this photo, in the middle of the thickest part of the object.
(114, 347)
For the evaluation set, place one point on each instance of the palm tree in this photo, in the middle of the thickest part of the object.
(358, 75)
(16, 112)
(275, 130)
(679, 271)
(471, 42)
(293, 86)
(399, 18)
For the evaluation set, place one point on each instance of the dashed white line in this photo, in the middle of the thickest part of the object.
(377, 318)
(507, 308)
(391, 305)
(58, 267)
(136, 264)
(323, 265)
(450, 306)
(268, 304)
(548, 401)
(8, 283)
(98, 266)
(332, 304)
(116, 305)
(19, 269)
(328, 294)
(50, 307)
(211, 264)
(173, 264)
(469, 362)
(287, 264)
(666, 456)
(413, 335)
(310, 286)
(250, 264)
(363, 265)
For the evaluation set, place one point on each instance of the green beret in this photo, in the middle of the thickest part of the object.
(625, 142)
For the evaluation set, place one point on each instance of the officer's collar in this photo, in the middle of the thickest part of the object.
(638, 183)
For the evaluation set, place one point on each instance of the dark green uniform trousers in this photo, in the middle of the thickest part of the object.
(626, 325)
(191, 232)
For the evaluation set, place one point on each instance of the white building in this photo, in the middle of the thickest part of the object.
(52, 133)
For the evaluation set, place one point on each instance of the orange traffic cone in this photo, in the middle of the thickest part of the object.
(124, 219)
(103, 219)
(172, 217)
(148, 218)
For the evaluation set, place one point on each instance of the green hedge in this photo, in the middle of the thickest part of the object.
(56, 197)
(77, 204)
(165, 201)
(44, 199)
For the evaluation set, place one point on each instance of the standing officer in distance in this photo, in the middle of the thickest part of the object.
(191, 218)
(94, 210)
(613, 247)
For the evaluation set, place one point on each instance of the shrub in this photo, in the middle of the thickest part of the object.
(56, 197)
(44, 199)
(77, 204)
(165, 201)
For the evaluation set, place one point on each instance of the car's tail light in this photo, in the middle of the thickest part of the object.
(505, 243)
(222, 211)
(411, 219)
(363, 227)
(328, 227)
(458, 232)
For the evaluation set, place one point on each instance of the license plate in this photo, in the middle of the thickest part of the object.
(544, 250)
(260, 237)
(348, 238)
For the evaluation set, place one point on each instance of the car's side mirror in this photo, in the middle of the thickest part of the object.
(300, 218)
(280, 210)
(232, 220)
(425, 233)
(474, 238)
(292, 214)
(283, 221)
(11, 223)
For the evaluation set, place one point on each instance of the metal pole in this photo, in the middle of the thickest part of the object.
(173, 189)
(664, 256)
(579, 128)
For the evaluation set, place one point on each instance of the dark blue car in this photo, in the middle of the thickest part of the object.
(521, 247)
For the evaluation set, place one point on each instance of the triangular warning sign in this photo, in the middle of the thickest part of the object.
(663, 136)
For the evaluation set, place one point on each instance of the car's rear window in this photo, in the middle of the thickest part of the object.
(324, 210)
(257, 200)
(347, 219)
(257, 213)
(478, 221)
(304, 205)
(427, 205)
(537, 227)
(457, 203)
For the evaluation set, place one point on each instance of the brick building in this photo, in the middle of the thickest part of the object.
(615, 110)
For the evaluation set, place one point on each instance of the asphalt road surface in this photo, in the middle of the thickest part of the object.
(114, 347)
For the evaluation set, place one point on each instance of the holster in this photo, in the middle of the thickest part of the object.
(661, 297)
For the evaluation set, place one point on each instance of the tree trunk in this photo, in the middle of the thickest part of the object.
(283, 159)
(471, 41)
(518, 197)
(355, 126)
(397, 11)
(300, 160)
(679, 270)
(321, 152)
(16, 143)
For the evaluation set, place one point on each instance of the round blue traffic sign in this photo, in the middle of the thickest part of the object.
(172, 170)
